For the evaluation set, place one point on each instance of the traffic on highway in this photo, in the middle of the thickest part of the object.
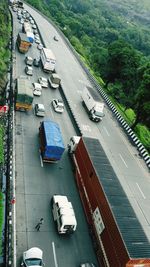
(56, 113)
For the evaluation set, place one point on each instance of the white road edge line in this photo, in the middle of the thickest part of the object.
(106, 131)
(123, 160)
(141, 191)
(54, 253)
(41, 160)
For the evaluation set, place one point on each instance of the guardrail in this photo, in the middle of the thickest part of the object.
(9, 168)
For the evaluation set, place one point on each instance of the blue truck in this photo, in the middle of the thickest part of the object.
(51, 142)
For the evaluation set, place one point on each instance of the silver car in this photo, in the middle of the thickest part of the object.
(33, 257)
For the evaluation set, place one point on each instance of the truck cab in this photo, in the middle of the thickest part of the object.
(63, 214)
(74, 140)
(94, 106)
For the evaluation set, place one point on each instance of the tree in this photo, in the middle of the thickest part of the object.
(142, 107)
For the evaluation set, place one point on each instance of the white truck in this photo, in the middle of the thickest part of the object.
(48, 60)
(95, 108)
(63, 214)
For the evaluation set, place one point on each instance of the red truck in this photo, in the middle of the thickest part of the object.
(119, 238)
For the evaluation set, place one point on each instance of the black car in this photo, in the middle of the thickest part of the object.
(36, 62)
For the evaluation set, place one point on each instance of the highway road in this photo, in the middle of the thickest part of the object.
(37, 183)
(31, 177)
(130, 168)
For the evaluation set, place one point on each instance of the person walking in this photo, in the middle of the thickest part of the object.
(37, 227)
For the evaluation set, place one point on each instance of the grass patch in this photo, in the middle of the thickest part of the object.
(144, 135)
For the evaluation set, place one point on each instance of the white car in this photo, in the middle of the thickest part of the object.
(58, 105)
(37, 89)
(39, 110)
(40, 46)
(33, 257)
(37, 41)
(43, 81)
(29, 70)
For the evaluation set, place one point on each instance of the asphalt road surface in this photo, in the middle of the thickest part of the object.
(36, 184)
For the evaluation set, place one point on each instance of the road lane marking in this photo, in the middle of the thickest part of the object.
(54, 254)
(141, 191)
(123, 160)
(106, 131)
(41, 160)
(86, 128)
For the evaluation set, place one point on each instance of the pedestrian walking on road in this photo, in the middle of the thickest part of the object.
(37, 227)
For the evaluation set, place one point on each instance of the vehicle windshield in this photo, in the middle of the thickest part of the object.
(98, 114)
(33, 262)
(55, 80)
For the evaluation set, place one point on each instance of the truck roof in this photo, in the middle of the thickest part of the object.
(69, 220)
(53, 136)
(23, 37)
(135, 234)
(59, 198)
(24, 90)
(94, 93)
(48, 53)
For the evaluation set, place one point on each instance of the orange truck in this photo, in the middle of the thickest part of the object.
(23, 43)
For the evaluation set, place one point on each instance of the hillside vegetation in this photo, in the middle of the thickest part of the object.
(113, 36)
(4, 44)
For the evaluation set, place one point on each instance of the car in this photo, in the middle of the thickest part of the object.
(87, 264)
(37, 41)
(21, 21)
(33, 257)
(58, 105)
(55, 38)
(37, 89)
(35, 31)
(34, 27)
(43, 81)
(40, 46)
(36, 35)
(36, 62)
(39, 110)
(29, 70)
(29, 60)
(19, 16)
(32, 21)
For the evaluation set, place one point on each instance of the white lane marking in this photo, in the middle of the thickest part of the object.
(41, 160)
(54, 254)
(141, 191)
(123, 160)
(83, 82)
(86, 128)
(106, 131)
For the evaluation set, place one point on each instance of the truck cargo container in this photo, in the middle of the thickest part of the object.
(51, 142)
(120, 237)
(26, 27)
(24, 94)
(91, 100)
(23, 43)
(48, 60)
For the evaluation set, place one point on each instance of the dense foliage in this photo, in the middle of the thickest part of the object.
(4, 45)
(114, 38)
